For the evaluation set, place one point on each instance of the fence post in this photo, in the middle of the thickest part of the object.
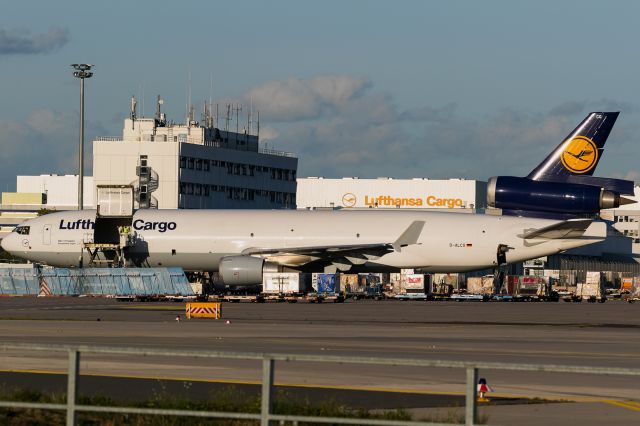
(72, 386)
(267, 390)
(471, 410)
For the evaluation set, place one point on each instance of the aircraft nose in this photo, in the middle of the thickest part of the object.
(6, 243)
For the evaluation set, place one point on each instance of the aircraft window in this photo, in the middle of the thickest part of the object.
(22, 230)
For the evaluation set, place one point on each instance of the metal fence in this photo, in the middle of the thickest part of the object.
(268, 366)
(94, 281)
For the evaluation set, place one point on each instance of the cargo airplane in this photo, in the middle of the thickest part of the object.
(243, 244)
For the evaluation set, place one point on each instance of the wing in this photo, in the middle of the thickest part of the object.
(567, 229)
(340, 257)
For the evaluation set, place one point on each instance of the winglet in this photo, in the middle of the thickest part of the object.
(409, 236)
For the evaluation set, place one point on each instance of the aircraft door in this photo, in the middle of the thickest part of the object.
(46, 235)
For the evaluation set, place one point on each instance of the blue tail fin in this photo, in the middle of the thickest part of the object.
(579, 153)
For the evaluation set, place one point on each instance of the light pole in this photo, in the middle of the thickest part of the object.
(82, 71)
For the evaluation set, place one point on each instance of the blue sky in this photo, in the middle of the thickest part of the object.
(355, 88)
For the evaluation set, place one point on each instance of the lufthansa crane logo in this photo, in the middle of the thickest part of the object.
(580, 155)
(348, 200)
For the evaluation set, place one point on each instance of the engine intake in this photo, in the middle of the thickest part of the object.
(518, 193)
(244, 270)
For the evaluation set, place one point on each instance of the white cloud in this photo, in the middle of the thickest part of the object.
(296, 99)
(45, 142)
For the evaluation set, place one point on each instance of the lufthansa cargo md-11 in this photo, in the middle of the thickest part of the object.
(242, 244)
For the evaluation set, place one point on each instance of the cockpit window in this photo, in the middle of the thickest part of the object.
(22, 230)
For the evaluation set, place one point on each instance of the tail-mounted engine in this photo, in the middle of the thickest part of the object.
(519, 193)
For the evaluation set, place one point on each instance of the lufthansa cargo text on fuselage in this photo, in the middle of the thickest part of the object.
(141, 225)
(78, 224)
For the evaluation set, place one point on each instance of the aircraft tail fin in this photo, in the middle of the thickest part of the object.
(579, 153)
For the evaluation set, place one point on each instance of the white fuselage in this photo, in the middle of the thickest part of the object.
(196, 240)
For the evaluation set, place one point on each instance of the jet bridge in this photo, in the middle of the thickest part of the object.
(112, 234)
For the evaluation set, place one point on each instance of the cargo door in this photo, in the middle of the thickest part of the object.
(46, 235)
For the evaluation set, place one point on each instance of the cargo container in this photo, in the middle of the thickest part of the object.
(451, 279)
(480, 285)
(592, 290)
(285, 283)
(351, 283)
(440, 291)
(325, 287)
(634, 291)
(361, 286)
(416, 283)
(398, 281)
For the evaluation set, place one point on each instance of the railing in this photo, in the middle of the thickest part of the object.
(268, 367)
(109, 138)
(275, 152)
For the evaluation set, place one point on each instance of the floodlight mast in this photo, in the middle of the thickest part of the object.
(82, 71)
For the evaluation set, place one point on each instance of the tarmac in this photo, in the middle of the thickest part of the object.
(603, 335)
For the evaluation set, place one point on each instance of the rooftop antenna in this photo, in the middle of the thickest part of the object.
(142, 100)
(132, 110)
(210, 100)
(250, 115)
(159, 114)
(258, 130)
(188, 106)
(227, 117)
(237, 108)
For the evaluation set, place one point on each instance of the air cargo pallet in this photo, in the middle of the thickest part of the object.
(411, 296)
(290, 298)
(470, 298)
(239, 298)
(590, 299)
(319, 298)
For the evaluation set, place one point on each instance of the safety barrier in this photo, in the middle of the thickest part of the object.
(94, 281)
(268, 366)
(204, 310)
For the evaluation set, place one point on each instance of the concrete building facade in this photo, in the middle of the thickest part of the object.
(385, 192)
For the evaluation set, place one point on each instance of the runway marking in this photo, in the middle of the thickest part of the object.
(629, 405)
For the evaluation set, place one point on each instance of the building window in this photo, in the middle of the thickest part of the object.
(183, 162)
(190, 163)
(205, 165)
(198, 164)
(205, 190)
(251, 170)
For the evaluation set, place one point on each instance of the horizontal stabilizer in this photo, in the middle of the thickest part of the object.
(561, 230)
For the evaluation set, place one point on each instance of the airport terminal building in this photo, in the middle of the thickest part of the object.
(460, 195)
(195, 165)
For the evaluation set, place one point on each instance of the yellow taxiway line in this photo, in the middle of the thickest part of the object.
(318, 386)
